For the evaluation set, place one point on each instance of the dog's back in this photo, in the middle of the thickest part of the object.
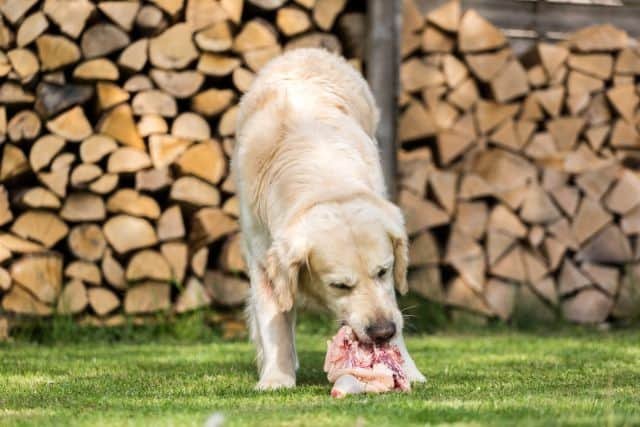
(305, 131)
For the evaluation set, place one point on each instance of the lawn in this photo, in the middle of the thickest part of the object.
(490, 377)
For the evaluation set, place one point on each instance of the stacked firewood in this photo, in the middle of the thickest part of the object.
(520, 176)
(117, 123)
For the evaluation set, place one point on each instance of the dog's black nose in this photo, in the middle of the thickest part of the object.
(381, 332)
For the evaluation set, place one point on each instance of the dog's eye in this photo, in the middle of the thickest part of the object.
(382, 272)
(339, 285)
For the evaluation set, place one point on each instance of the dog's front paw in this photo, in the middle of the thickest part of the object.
(416, 376)
(275, 382)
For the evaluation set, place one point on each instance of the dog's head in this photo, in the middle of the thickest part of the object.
(349, 256)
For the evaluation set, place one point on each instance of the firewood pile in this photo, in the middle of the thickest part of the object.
(116, 127)
(520, 176)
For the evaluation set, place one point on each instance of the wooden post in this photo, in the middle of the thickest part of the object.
(383, 59)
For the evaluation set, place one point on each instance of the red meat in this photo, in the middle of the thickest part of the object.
(356, 367)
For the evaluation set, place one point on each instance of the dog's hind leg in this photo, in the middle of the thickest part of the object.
(272, 333)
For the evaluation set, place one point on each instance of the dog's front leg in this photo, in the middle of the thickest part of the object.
(410, 367)
(273, 336)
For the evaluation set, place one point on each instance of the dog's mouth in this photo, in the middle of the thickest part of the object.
(360, 334)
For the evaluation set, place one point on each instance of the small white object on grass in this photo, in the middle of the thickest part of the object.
(215, 420)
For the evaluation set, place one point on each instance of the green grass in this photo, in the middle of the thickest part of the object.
(490, 377)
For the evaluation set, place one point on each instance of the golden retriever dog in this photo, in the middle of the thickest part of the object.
(314, 214)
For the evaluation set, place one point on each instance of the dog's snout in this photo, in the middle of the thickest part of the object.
(381, 332)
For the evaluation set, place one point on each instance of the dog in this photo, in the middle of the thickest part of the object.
(316, 223)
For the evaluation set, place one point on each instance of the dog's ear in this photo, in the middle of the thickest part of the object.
(394, 223)
(283, 262)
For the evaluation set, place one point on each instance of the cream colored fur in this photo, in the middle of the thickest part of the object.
(313, 206)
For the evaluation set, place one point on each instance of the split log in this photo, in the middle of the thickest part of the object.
(487, 65)
(152, 124)
(170, 224)
(215, 38)
(193, 297)
(415, 123)
(110, 95)
(25, 125)
(164, 149)
(105, 184)
(87, 242)
(501, 297)
(255, 34)
(477, 34)
(232, 207)
(131, 202)
(150, 19)
(102, 300)
(552, 57)
(96, 69)
(226, 290)
(94, 148)
(83, 174)
(32, 27)
(325, 12)
(195, 192)
(183, 84)
(176, 254)
(11, 243)
(83, 207)
(291, 21)
(459, 294)
(209, 225)
(466, 256)
(588, 306)
(14, 163)
(121, 13)
(420, 214)
(217, 65)
(41, 226)
(608, 246)
(34, 198)
(446, 16)
(102, 39)
(44, 150)
(510, 83)
(147, 297)
(191, 126)
(199, 261)
(242, 79)
(24, 63)
(416, 75)
(234, 9)
(126, 233)
(426, 281)
(118, 123)
(85, 271)
(606, 278)
(153, 179)
(154, 102)
(5, 280)
(127, 160)
(73, 298)
(112, 271)
(148, 264)
(204, 160)
(56, 52)
(589, 219)
(41, 274)
(19, 301)
(212, 102)
(134, 57)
